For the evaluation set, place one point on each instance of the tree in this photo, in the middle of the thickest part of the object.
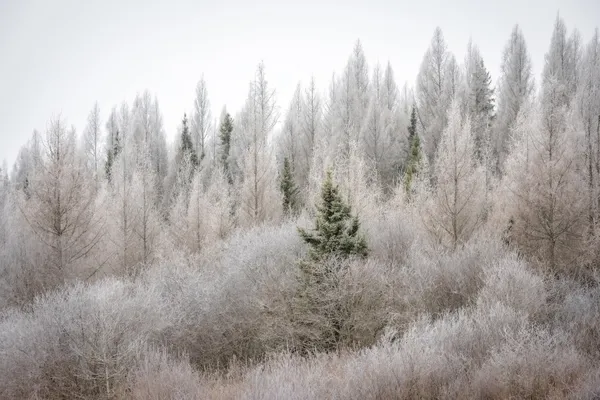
(61, 209)
(186, 148)
(149, 138)
(225, 131)
(291, 135)
(336, 231)
(545, 187)
(201, 119)
(587, 104)
(479, 99)
(515, 88)
(205, 214)
(185, 165)
(433, 83)
(455, 207)
(91, 138)
(311, 123)
(259, 196)
(415, 157)
(288, 189)
(562, 62)
(113, 143)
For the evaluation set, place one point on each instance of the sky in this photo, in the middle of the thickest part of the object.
(58, 57)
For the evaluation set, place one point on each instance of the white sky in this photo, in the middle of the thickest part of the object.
(60, 56)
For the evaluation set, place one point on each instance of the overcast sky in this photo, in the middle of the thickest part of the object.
(60, 56)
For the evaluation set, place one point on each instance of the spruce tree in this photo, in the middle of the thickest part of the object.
(187, 147)
(318, 308)
(414, 155)
(412, 128)
(225, 135)
(288, 189)
(336, 232)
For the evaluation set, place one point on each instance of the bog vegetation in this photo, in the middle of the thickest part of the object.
(439, 240)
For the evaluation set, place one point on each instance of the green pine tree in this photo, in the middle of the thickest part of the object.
(415, 153)
(288, 189)
(187, 147)
(319, 313)
(337, 231)
(412, 128)
(225, 135)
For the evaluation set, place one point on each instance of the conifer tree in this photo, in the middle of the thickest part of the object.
(336, 232)
(187, 147)
(288, 189)
(225, 136)
(414, 155)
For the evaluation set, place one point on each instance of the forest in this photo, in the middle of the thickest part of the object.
(439, 239)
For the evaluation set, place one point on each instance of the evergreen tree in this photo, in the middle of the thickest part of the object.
(337, 231)
(412, 128)
(414, 155)
(187, 147)
(225, 136)
(288, 189)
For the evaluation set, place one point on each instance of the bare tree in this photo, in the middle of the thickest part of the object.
(259, 194)
(432, 90)
(515, 88)
(61, 209)
(455, 207)
(548, 209)
(201, 119)
(92, 143)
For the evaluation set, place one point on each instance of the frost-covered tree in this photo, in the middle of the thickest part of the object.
(225, 130)
(131, 215)
(455, 208)
(113, 143)
(149, 134)
(587, 104)
(259, 197)
(562, 62)
(291, 134)
(311, 129)
(185, 164)
(515, 88)
(435, 79)
(201, 119)
(60, 206)
(144, 216)
(205, 214)
(186, 147)
(360, 69)
(548, 211)
(288, 188)
(479, 99)
(415, 159)
(92, 138)
(380, 140)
